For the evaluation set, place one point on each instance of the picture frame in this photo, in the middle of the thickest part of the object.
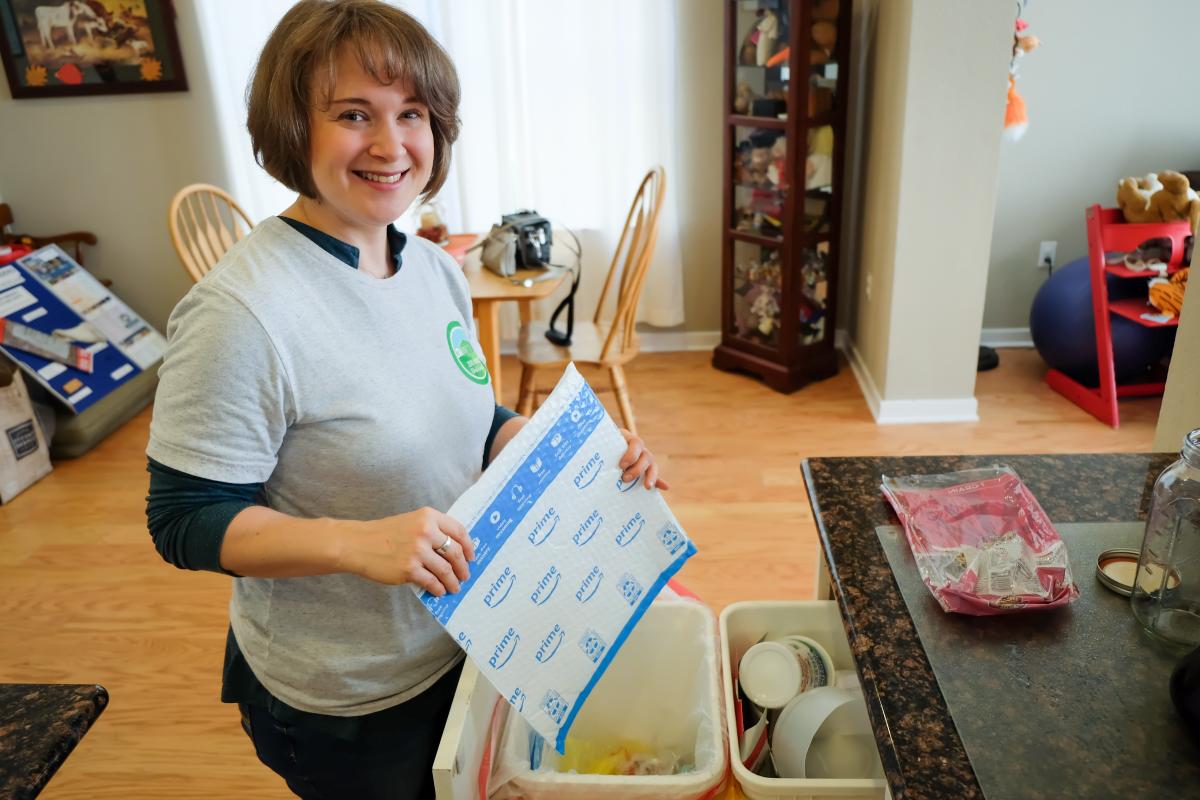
(74, 48)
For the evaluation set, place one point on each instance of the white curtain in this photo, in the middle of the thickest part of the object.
(566, 104)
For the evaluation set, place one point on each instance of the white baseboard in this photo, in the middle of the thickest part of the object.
(664, 342)
(676, 341)
(903, 412)
(865, 383)
(1006, 337)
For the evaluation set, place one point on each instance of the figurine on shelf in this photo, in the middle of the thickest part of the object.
(818, 167)
(766, 308)
(824, 36)
(777, 171)
(760, 162)
(768, 35)
(744, 100)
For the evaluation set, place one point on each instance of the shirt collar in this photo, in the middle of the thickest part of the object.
(348, 253)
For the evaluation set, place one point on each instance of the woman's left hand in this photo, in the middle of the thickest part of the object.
(638, 462)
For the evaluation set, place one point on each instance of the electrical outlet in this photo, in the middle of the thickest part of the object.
(1046, 254)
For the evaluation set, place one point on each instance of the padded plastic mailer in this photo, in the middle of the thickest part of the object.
(982, 542)
(567, 560)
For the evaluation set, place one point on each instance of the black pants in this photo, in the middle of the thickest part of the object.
(388, 762)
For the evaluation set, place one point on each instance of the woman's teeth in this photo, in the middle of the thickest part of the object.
(371, 176)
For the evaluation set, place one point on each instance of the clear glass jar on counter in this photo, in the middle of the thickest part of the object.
(1166, 591)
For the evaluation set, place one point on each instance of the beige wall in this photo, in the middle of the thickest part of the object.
(931, 143)
(1180, 410)
(701, 42)
(111, 165)
(1102, 104)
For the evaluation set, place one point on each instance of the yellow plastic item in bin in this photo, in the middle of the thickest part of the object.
(622, 757)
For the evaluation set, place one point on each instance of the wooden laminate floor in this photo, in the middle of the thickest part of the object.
(85, 598)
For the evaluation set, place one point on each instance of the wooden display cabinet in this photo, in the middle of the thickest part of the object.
(785, 83)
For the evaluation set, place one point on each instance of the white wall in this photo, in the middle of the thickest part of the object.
(1110, 93)
(110, 165)
(933, 118)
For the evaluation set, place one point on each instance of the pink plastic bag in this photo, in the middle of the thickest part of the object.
(982, 542)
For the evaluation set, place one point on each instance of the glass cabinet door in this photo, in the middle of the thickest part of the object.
(760, 181)
(757, 293)
(761, 80)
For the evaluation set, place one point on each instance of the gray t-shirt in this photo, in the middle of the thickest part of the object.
(350, 397)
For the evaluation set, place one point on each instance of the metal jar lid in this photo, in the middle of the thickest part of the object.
(1111, 578)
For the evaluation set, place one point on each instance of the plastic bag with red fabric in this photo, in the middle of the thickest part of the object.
(982, 542)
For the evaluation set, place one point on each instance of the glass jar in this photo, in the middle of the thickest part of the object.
(1166, 591)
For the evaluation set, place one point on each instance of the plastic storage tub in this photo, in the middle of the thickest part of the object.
(742, 625)
(663, 688)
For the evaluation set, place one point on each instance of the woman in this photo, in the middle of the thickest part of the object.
(311, 416)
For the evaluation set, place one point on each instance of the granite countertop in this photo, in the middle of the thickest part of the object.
(40, 724)
(922, 754)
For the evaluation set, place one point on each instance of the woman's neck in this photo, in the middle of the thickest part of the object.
(374, 258)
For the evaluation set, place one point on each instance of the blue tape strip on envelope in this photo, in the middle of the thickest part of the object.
(568, 558)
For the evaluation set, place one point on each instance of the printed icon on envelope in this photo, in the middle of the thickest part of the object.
(592, 645)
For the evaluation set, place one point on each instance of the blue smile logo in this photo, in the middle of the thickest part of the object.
(505, 649)
(588, 472)
(625, 487)
(549, 645)
(546, 586)
(590, 585)
(587, 529)
(543, 527)
(630, 530)
(500, 588)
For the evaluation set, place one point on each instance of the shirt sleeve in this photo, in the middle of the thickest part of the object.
(187, 516)
(224, 399)
(500, 416)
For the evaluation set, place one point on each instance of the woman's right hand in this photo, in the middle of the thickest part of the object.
(402, 549)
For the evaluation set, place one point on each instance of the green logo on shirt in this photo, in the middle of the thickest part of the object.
(469, 362)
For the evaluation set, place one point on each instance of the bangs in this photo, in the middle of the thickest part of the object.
(386, 58)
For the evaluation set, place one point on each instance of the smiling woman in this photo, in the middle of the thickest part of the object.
(321, 397)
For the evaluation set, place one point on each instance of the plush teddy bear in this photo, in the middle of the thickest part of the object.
(1167, 294)
(1175, 200)
(1161, 197)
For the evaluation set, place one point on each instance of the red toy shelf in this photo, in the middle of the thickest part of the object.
(1109, 233)
(1133, 308)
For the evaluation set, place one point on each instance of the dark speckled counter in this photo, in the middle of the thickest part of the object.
(919, 744)
(40, 724)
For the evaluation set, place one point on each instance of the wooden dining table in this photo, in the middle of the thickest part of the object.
(489, 291)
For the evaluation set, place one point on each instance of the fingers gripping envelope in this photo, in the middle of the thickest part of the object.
(567, 559)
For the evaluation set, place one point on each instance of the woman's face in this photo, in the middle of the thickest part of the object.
(372, 149)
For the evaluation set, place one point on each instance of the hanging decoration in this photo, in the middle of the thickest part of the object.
(1016, 118)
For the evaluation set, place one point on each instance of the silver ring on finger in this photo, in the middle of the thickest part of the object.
(443, 549)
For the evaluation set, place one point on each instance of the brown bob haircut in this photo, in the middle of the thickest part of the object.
(297, 72)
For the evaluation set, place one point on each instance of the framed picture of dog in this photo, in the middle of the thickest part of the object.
(69, 48)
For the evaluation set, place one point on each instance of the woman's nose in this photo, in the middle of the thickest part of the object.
(387, 143)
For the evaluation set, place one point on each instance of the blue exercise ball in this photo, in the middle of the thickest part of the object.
(1062, 325)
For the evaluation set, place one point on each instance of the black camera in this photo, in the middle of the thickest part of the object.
(533, 237)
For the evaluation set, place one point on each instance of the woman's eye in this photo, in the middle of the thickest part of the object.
(412, 113)
(353, 116)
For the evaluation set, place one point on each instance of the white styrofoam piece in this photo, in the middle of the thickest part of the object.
(567, 559)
